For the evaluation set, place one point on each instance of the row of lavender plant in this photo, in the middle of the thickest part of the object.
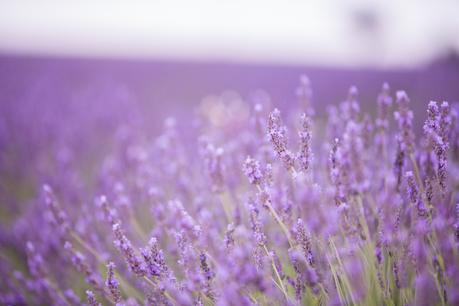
(346, 210)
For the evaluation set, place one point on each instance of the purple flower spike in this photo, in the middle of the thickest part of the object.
(154, 258)
(456, 224)
(252, 170)
(304, 155)
(214, 165)
(404, 117)
(304, 241)
(92, 299)
(134, 262)
(229, 239)
(58, 214)
(278, 136)
(112, 284)
(304, 93)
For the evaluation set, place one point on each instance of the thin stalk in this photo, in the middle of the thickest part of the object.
(276, 272)
(137, 227)
(154, 285)
(362, 219)
(346, 281)
(59, 293)
(224, 200)
(278, 219)
(337, 282)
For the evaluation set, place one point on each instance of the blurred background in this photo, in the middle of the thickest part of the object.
(204, 46)
(73, 72)
(176, 52)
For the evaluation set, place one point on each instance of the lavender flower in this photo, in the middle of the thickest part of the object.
(208, 274)
(350, 108)
(304, 93)
(436, 129)
(258, 235)
(399, 163)
(333, 162)
(252, 170)
(299, 264)
(213, 162)
(304, 155)
(432, 125)
(278, 136)
(112, 284)
(134, 262)
(337, 173)
(442, 145)
(229, 239)
(59, 215)
(92, 299)
(456, 224)
(412, 188)
(304, 241)
(154, 258)
(384, 102)
(414, 195)
(257, 227)
(404, 117)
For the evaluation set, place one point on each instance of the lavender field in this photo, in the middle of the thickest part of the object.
(131, 183)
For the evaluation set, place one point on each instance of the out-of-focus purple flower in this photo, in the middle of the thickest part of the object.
(278, 136)
(208, 274)
(396, 273)
(304, 241)
(442, 145)
(350, 109)
(399, 163)
(81, 265)
(304, 94)
(212, 157)
(413, 193)
(404, 117)
(456, 224)
(412, 188)
(304, 155)
(300, 266)
(59, 215)
(437, 130)
(258, 234)
(112, 283)
(92, 299)
(429, 192)
(229, 239)
(384, 102)
(252, 170)
(71, 296)
(257, 227)
(35, 261)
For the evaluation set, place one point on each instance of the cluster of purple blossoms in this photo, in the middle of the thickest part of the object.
(262, 208)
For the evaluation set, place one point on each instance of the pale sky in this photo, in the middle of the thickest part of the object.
(345, 33)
